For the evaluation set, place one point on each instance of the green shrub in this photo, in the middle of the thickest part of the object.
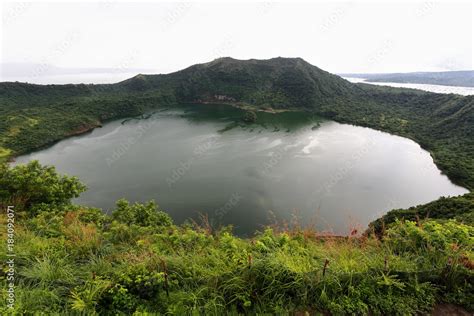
(141, 214)
(33, 187)
(429, 236)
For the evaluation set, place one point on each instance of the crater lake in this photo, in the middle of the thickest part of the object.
(289, 166)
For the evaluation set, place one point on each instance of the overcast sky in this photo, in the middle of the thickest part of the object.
(42, 39)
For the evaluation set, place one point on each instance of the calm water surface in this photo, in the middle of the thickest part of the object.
(420, 86)
(331, 175)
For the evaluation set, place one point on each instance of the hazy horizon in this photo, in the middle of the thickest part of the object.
(112, 40)
(22, 72)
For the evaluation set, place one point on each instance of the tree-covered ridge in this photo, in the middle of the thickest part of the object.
(73, 259)
(32, 116)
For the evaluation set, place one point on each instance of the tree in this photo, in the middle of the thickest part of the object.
(31, 186)
(250, 117)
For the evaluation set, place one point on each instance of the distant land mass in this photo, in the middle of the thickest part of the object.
(33, 116)
(462, 78)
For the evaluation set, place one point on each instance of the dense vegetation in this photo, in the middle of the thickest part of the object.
(463, 78)
(72, 259)
(32, 116)
(460, 208)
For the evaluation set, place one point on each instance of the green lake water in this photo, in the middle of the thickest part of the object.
(202, 159)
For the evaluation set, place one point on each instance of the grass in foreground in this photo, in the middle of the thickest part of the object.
(75, 260)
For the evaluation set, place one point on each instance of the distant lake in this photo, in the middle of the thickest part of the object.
(196, 159)
(426, 87)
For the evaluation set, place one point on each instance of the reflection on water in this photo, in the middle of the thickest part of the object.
(332, 175)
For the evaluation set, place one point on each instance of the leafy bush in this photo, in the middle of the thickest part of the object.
(31, 187)
(430, 236)
(460, 208)
(141, 214)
